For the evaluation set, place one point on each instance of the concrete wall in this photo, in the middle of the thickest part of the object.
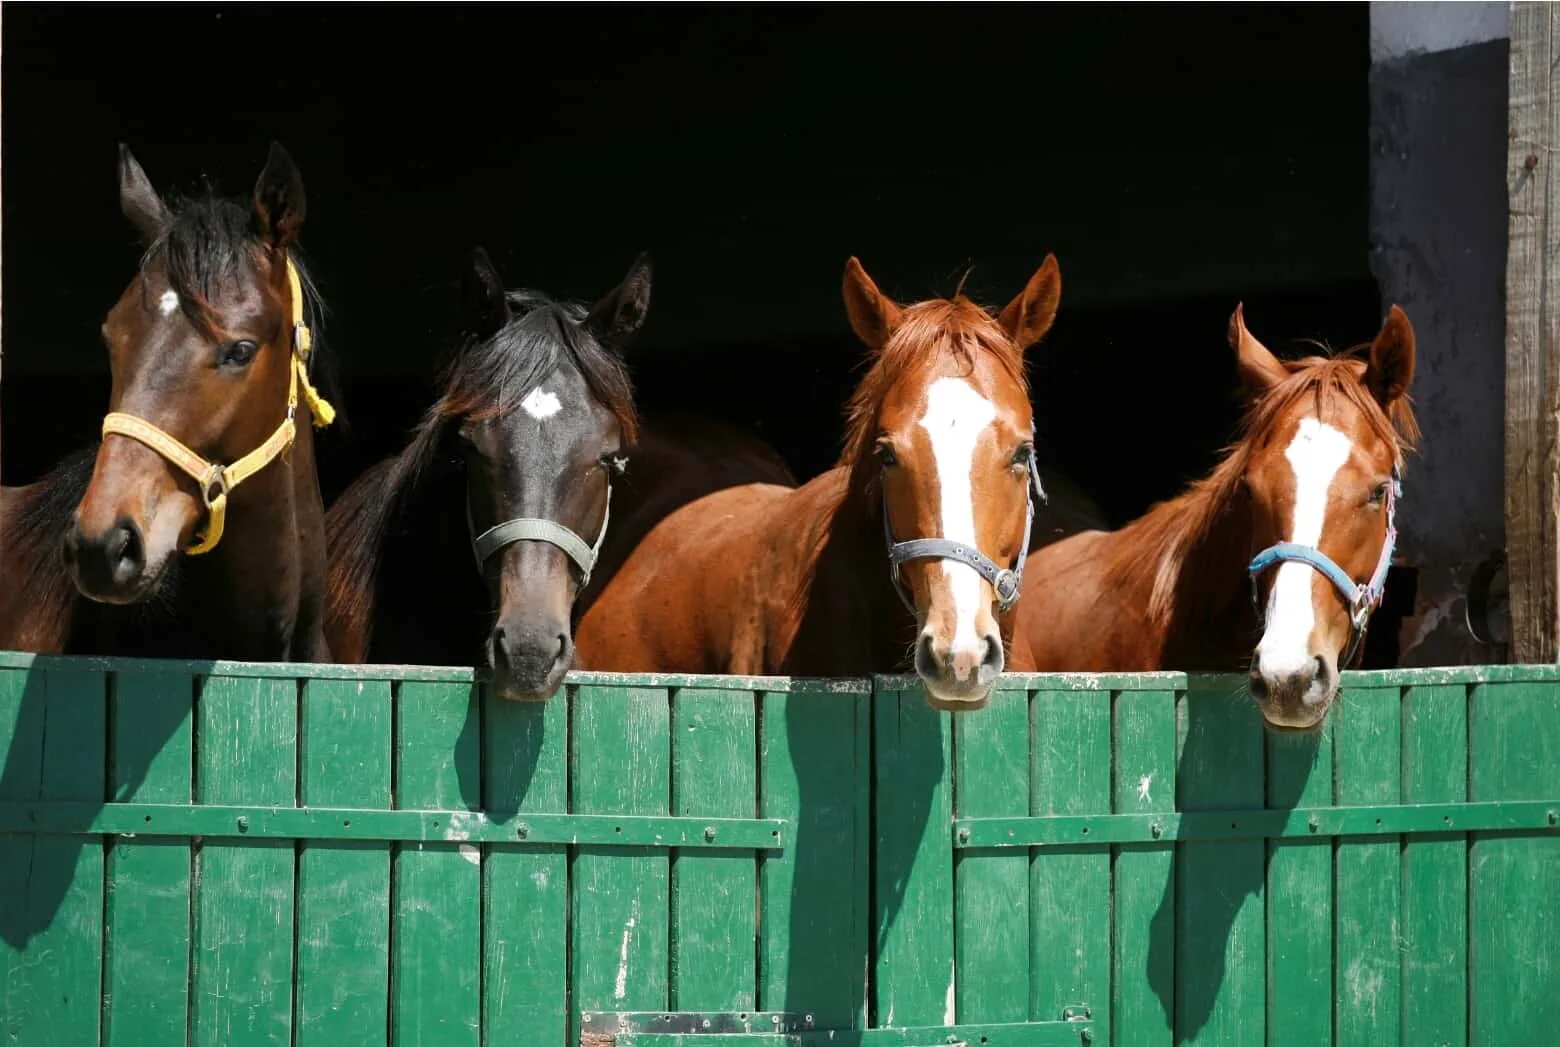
(1438, 249)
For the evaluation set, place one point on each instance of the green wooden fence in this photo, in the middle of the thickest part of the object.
(232, 854)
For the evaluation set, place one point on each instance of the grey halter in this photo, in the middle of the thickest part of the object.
(531, 529)
(1005, 582)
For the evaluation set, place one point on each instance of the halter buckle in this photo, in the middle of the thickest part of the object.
(215, 480)
(1006, 587)
(1359, 612)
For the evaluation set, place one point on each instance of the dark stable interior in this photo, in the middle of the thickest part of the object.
(1177, 160)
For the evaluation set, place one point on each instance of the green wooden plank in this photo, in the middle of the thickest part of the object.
(1220, 936)
(913, 903)
(1299, 894)
(713, 919)
(991, 935)
(436, 917)
(1367, 990)
(1514, 913)
(816, 773)
(1143, 957)
(525, 919)
(1435, 883)
(343, 886)
(53, 985)
(622, 765)
(23, 709)
(146, 966)
(1070, 886)
(246, 749)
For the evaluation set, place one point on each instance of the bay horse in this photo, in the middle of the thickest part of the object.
(1292, 533)
(903, 546)
(502, 496)
(176, 553)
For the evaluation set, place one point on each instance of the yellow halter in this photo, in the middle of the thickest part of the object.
(215, 480)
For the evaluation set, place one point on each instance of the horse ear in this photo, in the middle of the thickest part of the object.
(873, 315)
(484, 308)
(621, 312)
(1029, 316)
(279, 203)
(1391, 368)
(1260, 370)
(138, 200)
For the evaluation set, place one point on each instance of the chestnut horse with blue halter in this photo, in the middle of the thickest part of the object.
(1292, 535)
(472, 545)
(913, 543)
(202, 507)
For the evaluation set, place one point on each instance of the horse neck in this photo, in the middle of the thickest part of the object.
(425, 561)
(849, 594)
(1209, 614)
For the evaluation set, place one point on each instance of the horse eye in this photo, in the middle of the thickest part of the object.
(1024, 455)
(615, 462)
(886, 455)
(1378, 494)
(238, 354)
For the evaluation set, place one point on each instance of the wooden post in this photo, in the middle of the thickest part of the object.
(1532, 340)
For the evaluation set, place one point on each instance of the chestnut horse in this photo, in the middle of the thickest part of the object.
(500, 500)
(208, 353)
(904, 545)
(1293, 531)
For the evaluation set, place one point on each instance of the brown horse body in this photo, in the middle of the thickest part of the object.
(765, 579)
(1323, 438)
(201, 347)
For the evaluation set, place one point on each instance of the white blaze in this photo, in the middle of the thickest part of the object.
(955, 417)
(1315, 454)
(168, 302)
(540, 404)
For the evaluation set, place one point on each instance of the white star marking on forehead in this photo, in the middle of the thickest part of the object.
(540, 404)
(168, 302)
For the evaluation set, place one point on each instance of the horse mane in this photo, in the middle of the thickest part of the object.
(204, 245)
(484, 378)
(31, 535)
(1169, 532)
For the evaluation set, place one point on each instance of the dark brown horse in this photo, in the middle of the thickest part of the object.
(1310, 487)
(199, 530)
(935, 472)
(471, 546)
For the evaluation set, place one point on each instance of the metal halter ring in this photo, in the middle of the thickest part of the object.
(216, 479)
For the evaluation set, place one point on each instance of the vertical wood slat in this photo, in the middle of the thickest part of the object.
(913, 902)
(1069, 909)
(991, 779)
(1514, 921)
(246, 754)
(1532, 356)
(1435, 881)
(1220, 939)
(436, 933)
(815, 766)
(622, 765)
(1367, 758)
(1300, 894)
(343, 976)
(1143, 954)
(713, 919)
(525, 890)
(146, 996)
(53, 926)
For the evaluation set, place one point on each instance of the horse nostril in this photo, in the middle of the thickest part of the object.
(993, 656)
(1320, 672)
(126, 554)
(1258, 684)
(565, 652)
(925, 657)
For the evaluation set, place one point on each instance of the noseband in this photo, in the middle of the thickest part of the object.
(216, 480)
(1005, 582)
(1362, 598)
(533, 529)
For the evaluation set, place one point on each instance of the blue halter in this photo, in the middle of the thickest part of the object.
(1362, 598)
